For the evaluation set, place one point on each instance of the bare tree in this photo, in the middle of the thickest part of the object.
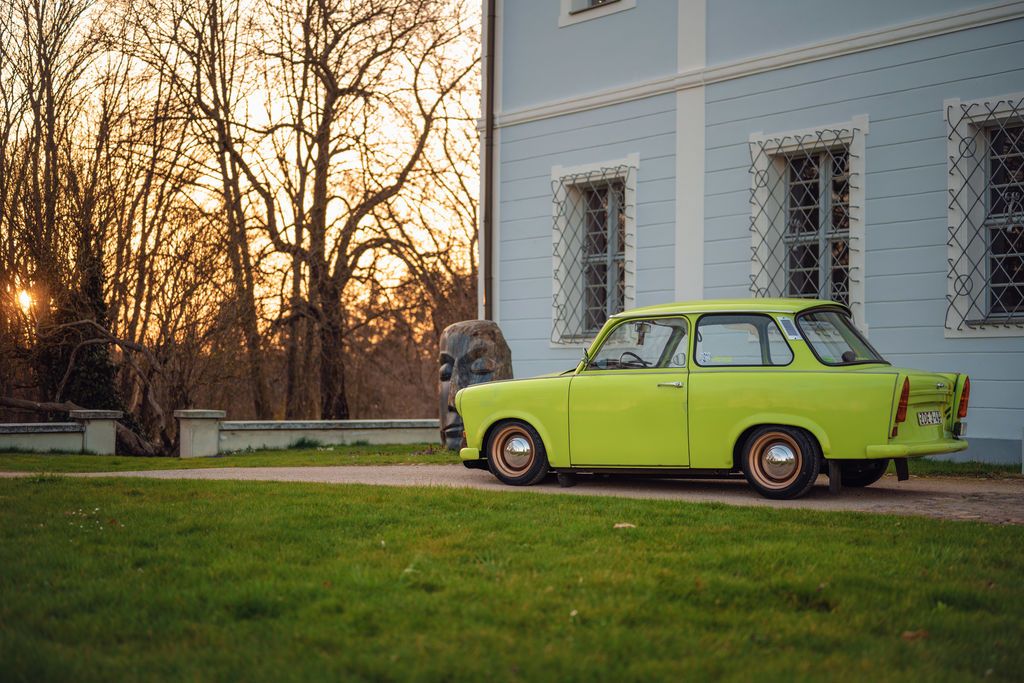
(13, 104)
(358, 92)
(233, 202)
(373, 79)
(197, 47)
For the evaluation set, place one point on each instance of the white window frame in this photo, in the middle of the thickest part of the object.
(576, 11)
(853, 136)
(598, 170)
(972, 127)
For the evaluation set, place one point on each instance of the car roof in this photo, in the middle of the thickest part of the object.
(792, 306)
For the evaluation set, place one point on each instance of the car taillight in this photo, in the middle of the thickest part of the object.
(964, 398)
(901, 410)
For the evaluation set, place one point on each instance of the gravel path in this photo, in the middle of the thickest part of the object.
(996, 501)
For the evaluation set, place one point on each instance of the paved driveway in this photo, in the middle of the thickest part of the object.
(998, 501)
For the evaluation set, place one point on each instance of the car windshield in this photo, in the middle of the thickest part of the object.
(834, 339)
(648, 343)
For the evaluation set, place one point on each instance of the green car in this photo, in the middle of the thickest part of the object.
(778, 389)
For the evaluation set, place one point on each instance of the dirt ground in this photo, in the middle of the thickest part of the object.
(996, 501)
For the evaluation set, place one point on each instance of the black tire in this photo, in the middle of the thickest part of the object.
(781, 462)
(516, 454)
(860, 473)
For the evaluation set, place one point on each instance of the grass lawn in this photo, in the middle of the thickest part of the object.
(367, 455)
(120, 579)
(295, 457)
(924, 467)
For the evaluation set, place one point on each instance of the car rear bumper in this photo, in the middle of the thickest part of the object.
(915, 449)
(469, 454)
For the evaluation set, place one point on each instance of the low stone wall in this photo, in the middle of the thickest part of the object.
(93, 431)
(237, 436)
(205, 433)
(64, 437)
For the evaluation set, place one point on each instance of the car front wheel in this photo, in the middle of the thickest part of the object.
(515, 453)
(781, 462)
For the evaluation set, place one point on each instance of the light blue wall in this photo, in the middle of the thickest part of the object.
(901, 89)
(747, 28)
(528, 154)
(542, 62)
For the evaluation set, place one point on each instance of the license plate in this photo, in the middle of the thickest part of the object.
(929, 417)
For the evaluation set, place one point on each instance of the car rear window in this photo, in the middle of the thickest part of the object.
(834, 339)
(740, 340)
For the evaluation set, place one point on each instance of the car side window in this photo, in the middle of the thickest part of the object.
(647, 343)
(740, 340)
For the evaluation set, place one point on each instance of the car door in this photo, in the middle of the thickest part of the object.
(739, 375)
(627, 407)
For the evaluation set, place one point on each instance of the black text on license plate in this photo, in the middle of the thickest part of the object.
(929, 417)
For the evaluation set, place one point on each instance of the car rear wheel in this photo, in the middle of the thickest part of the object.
(859, 473)
(515, 453)
(781, 462)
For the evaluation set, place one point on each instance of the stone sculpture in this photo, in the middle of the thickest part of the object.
(471, 352)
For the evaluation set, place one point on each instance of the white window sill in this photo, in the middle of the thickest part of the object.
(579, 345)
(568, 16)
(985, 331)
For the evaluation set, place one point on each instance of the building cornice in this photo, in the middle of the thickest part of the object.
(834, 47)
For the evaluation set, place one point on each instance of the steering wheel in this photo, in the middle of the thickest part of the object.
(639, 360)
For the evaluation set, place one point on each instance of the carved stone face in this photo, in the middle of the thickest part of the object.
(472, 352)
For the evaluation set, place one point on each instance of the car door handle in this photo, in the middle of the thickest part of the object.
(674, 385)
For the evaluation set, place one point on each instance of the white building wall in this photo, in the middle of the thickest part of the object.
(740, 29)
(542, 62)
(626, 83)
(528, 154)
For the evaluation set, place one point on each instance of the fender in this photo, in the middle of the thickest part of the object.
(787, 420)
(540, 402)
(557, 449)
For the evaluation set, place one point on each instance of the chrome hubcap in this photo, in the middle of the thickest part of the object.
(517, 452)
(779, 461)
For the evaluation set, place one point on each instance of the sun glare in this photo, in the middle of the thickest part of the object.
(25, 301)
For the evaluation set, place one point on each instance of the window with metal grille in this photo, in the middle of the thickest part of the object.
(1005, 221)
(806, 214)
(592, 250)
(818, 225)
(986, 217)
(604, 253)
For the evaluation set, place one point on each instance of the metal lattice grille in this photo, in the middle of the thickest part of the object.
(592, 247)
(801, 214)
(986, 209)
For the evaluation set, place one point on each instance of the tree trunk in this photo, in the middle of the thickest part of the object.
(246, 301)
(295, 403)
(333, 402)
(219, 75)
(241, 271)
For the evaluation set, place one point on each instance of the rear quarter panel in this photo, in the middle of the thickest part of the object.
(541, 402)
(846, 409)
